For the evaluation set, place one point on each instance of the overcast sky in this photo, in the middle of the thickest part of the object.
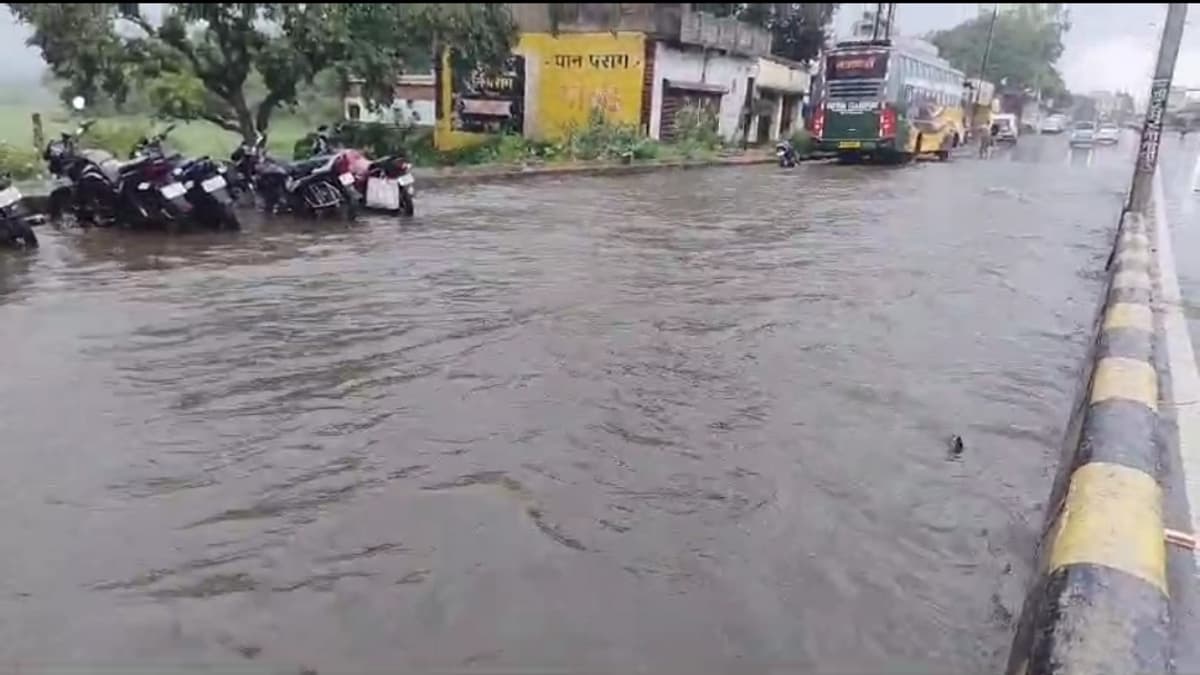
(1110, 46)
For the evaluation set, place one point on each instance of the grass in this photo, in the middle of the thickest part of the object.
(190, 138)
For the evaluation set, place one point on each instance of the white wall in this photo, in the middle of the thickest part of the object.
(696, 65)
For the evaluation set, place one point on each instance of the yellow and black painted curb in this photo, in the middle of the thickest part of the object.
(1099, 603)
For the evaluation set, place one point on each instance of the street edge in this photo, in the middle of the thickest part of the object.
(523, 173)
(1099, 603)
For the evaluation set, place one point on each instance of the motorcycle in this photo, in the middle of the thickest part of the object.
(15, 228)
(84, 180)
(150, 194)
(384, 184)
(207, 190)
(314, 187)
(786, 154)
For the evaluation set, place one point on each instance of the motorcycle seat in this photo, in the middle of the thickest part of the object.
(306, 166)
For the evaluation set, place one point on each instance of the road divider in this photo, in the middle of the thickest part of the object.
(1099, 602)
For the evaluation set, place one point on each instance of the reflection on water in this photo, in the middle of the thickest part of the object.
(689, 422)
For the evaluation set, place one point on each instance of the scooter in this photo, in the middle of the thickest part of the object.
(15, 228)
(786, 154)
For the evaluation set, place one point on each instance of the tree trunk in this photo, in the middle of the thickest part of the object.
(245, 119)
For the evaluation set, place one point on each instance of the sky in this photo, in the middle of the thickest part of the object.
(1110, 46)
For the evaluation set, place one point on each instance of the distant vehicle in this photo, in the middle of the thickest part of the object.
(1054, 124)
(1006, 128)
(1083, 134)
(1108, 133)
(786, 154)
(886, 101)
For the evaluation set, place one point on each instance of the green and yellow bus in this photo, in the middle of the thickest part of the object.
(891, 102)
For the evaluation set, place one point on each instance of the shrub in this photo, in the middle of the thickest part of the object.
(802, 142)
(20, 162)
(117, 137)
(696, 126)
(601, 138)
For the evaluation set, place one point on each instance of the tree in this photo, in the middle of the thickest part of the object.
(205, 60)
(1026, 45)
(798, 30)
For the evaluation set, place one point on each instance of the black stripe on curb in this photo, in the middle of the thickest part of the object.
(1136, 295)
(1130, 343)
(1114, 431)
(1100, 603)
(1130, 611)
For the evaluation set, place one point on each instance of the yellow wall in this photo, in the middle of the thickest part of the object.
(575, 72)
(566, 76)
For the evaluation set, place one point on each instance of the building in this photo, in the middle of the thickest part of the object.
(412, 102)
(638, 64)
(781, 89)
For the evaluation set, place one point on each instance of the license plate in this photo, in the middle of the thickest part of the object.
(213, 184)
(9, 197)
(848, 145)
(406, 179)
(172, 190)
(347, 179)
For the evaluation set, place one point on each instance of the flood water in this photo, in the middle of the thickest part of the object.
(687, 422)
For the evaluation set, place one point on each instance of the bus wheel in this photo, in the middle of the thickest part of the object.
(942, 155)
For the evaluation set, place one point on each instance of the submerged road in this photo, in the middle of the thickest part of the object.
(683, 422)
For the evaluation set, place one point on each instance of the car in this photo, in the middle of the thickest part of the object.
(1108, 133)
(1053, 124)
(1083, 134)
(1006, 128)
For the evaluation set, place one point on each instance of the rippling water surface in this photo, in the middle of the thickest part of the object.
(682, 422)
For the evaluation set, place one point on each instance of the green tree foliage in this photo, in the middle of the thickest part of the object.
(798, 30)
(1026, 45)
(234, 64)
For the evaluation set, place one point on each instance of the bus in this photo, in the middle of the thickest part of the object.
(888, 101)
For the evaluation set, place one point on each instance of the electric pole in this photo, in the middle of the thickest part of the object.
(987, 51)
(1160, 89)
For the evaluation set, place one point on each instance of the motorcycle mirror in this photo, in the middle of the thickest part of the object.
(79, 103)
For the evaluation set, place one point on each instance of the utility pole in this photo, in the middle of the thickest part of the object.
(987, 51)
(1160, 89)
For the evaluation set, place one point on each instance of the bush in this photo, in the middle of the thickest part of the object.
(696, 126)
(19, 162)
(117, 137)
(802, 142)
(601, 138)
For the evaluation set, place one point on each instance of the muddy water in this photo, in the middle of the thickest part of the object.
(689, 422)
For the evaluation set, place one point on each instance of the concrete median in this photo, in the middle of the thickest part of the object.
(1099, 604)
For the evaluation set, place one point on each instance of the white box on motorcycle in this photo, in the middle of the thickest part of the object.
(383, 193)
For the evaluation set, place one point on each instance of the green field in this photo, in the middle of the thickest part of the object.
(189, 138)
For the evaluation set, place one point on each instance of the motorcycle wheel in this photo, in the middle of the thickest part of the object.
(227, 218)
(348, 207)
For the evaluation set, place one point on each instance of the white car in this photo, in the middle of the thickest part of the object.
(1052, 125)
(1083, 134)
(1108, 133)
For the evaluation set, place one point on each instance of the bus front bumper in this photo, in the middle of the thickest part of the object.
(855, 144)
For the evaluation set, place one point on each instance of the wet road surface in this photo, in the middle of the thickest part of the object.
(688, 422)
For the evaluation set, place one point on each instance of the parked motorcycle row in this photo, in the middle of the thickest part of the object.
(159, 189)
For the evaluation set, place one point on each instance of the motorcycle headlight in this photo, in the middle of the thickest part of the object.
(178, 171)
